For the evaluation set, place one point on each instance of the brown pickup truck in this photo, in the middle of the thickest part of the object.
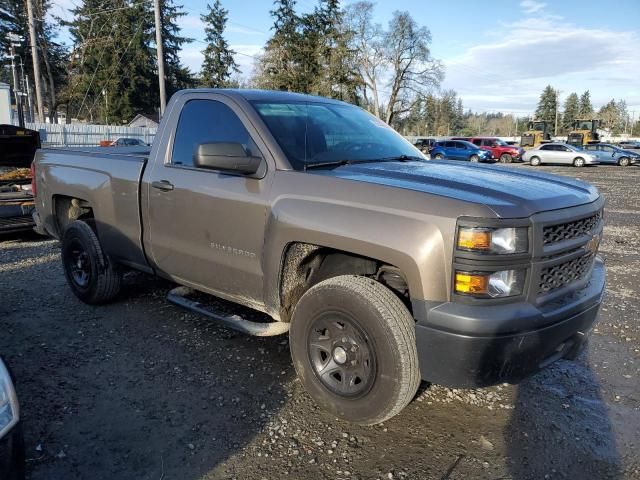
(384, 267)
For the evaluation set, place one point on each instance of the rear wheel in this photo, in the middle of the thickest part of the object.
(353, 346)
(439, 156)
(90, 273)
(578, 162)
(506, 158)
(624, 161)
(474, 158)
(535, 161)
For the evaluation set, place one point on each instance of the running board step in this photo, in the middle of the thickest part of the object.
(179, 296)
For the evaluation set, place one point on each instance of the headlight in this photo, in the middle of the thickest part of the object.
(493, 240)
(505, 283)
(9, 410)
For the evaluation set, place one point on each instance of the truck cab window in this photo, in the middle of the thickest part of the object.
(207, 121)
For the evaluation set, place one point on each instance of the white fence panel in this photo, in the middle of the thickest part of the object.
(87, 135)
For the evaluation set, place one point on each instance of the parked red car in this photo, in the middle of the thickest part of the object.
(499, 149)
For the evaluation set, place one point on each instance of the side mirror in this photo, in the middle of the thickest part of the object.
(226, 157)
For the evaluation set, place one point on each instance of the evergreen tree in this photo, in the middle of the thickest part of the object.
(334, 70)
(13, 19)
(218, 65)
(546, 109)
(177, 76)
(571, 112)
(279, 65)
(114, 65)
(586, 108)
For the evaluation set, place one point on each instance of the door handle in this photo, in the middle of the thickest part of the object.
(163, 185)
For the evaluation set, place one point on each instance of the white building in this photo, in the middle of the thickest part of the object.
(5, 105)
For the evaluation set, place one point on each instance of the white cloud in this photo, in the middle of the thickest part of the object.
(190, 22)
(245, 56)
(194, 24)
(532, 6)
(509, 73)
(61, 8)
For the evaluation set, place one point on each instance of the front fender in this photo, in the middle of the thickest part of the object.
(414, 245)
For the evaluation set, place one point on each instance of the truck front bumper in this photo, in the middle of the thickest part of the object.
(467, 346)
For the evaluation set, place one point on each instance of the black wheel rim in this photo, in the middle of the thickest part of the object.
(341, 355)
(78, 264)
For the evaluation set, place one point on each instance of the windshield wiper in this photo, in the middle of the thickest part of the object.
(340, 163)
(399, 158)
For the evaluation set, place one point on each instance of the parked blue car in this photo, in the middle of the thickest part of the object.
(607, 153)
(459, 150)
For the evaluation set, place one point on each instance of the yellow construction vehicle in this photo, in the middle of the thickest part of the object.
(584, 131)
(538, 131)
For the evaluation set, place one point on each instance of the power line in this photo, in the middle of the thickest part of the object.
(94, 72)
(113, 70)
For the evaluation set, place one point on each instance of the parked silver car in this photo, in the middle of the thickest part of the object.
(559, 153)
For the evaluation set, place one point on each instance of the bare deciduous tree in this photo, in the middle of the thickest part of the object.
(398, 58)
(413, 70)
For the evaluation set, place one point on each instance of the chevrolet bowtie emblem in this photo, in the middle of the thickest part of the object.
(592, 245)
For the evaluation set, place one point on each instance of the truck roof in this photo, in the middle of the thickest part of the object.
(263, 95)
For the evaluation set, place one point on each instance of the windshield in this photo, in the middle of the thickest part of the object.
(316, 133)
(501, 143)
(584, 125)
(536, 126)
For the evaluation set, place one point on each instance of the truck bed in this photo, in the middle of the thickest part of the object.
(108, 179)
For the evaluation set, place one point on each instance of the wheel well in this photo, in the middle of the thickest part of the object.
(68, 209)
(304, 265)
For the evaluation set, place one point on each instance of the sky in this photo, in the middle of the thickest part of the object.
(498, 54)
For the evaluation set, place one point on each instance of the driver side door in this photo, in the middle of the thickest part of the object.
(205, 228)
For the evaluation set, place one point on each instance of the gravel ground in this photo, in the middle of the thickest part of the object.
(140, 389)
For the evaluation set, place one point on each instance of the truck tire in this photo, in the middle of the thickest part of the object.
(353, 346)
(624, 161)
(535, 161)
(578, 162)
(506, 158)
(92, 276)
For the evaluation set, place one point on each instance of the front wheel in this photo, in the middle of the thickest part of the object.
(624, 161)
(474, 158)
(506, 158)
(90, 273)
(535, 161)
(578, 162)
(353, 346)
(439, 156)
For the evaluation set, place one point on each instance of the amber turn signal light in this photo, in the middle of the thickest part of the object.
(474, 239)
(472, 283)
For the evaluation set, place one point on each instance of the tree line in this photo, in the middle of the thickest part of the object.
(614, 115)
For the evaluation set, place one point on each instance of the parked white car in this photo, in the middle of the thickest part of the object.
(559, 153)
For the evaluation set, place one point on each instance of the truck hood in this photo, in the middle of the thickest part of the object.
(509, 192)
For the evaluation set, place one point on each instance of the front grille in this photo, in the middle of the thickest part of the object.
(567, 231)
(565, 273)
(527, 140)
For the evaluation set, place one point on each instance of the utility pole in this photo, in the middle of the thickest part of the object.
(29, 101)
(106, 107)
(24, 88)
(16, 84)
(36, 63)
(163, 93)
(555, 130)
